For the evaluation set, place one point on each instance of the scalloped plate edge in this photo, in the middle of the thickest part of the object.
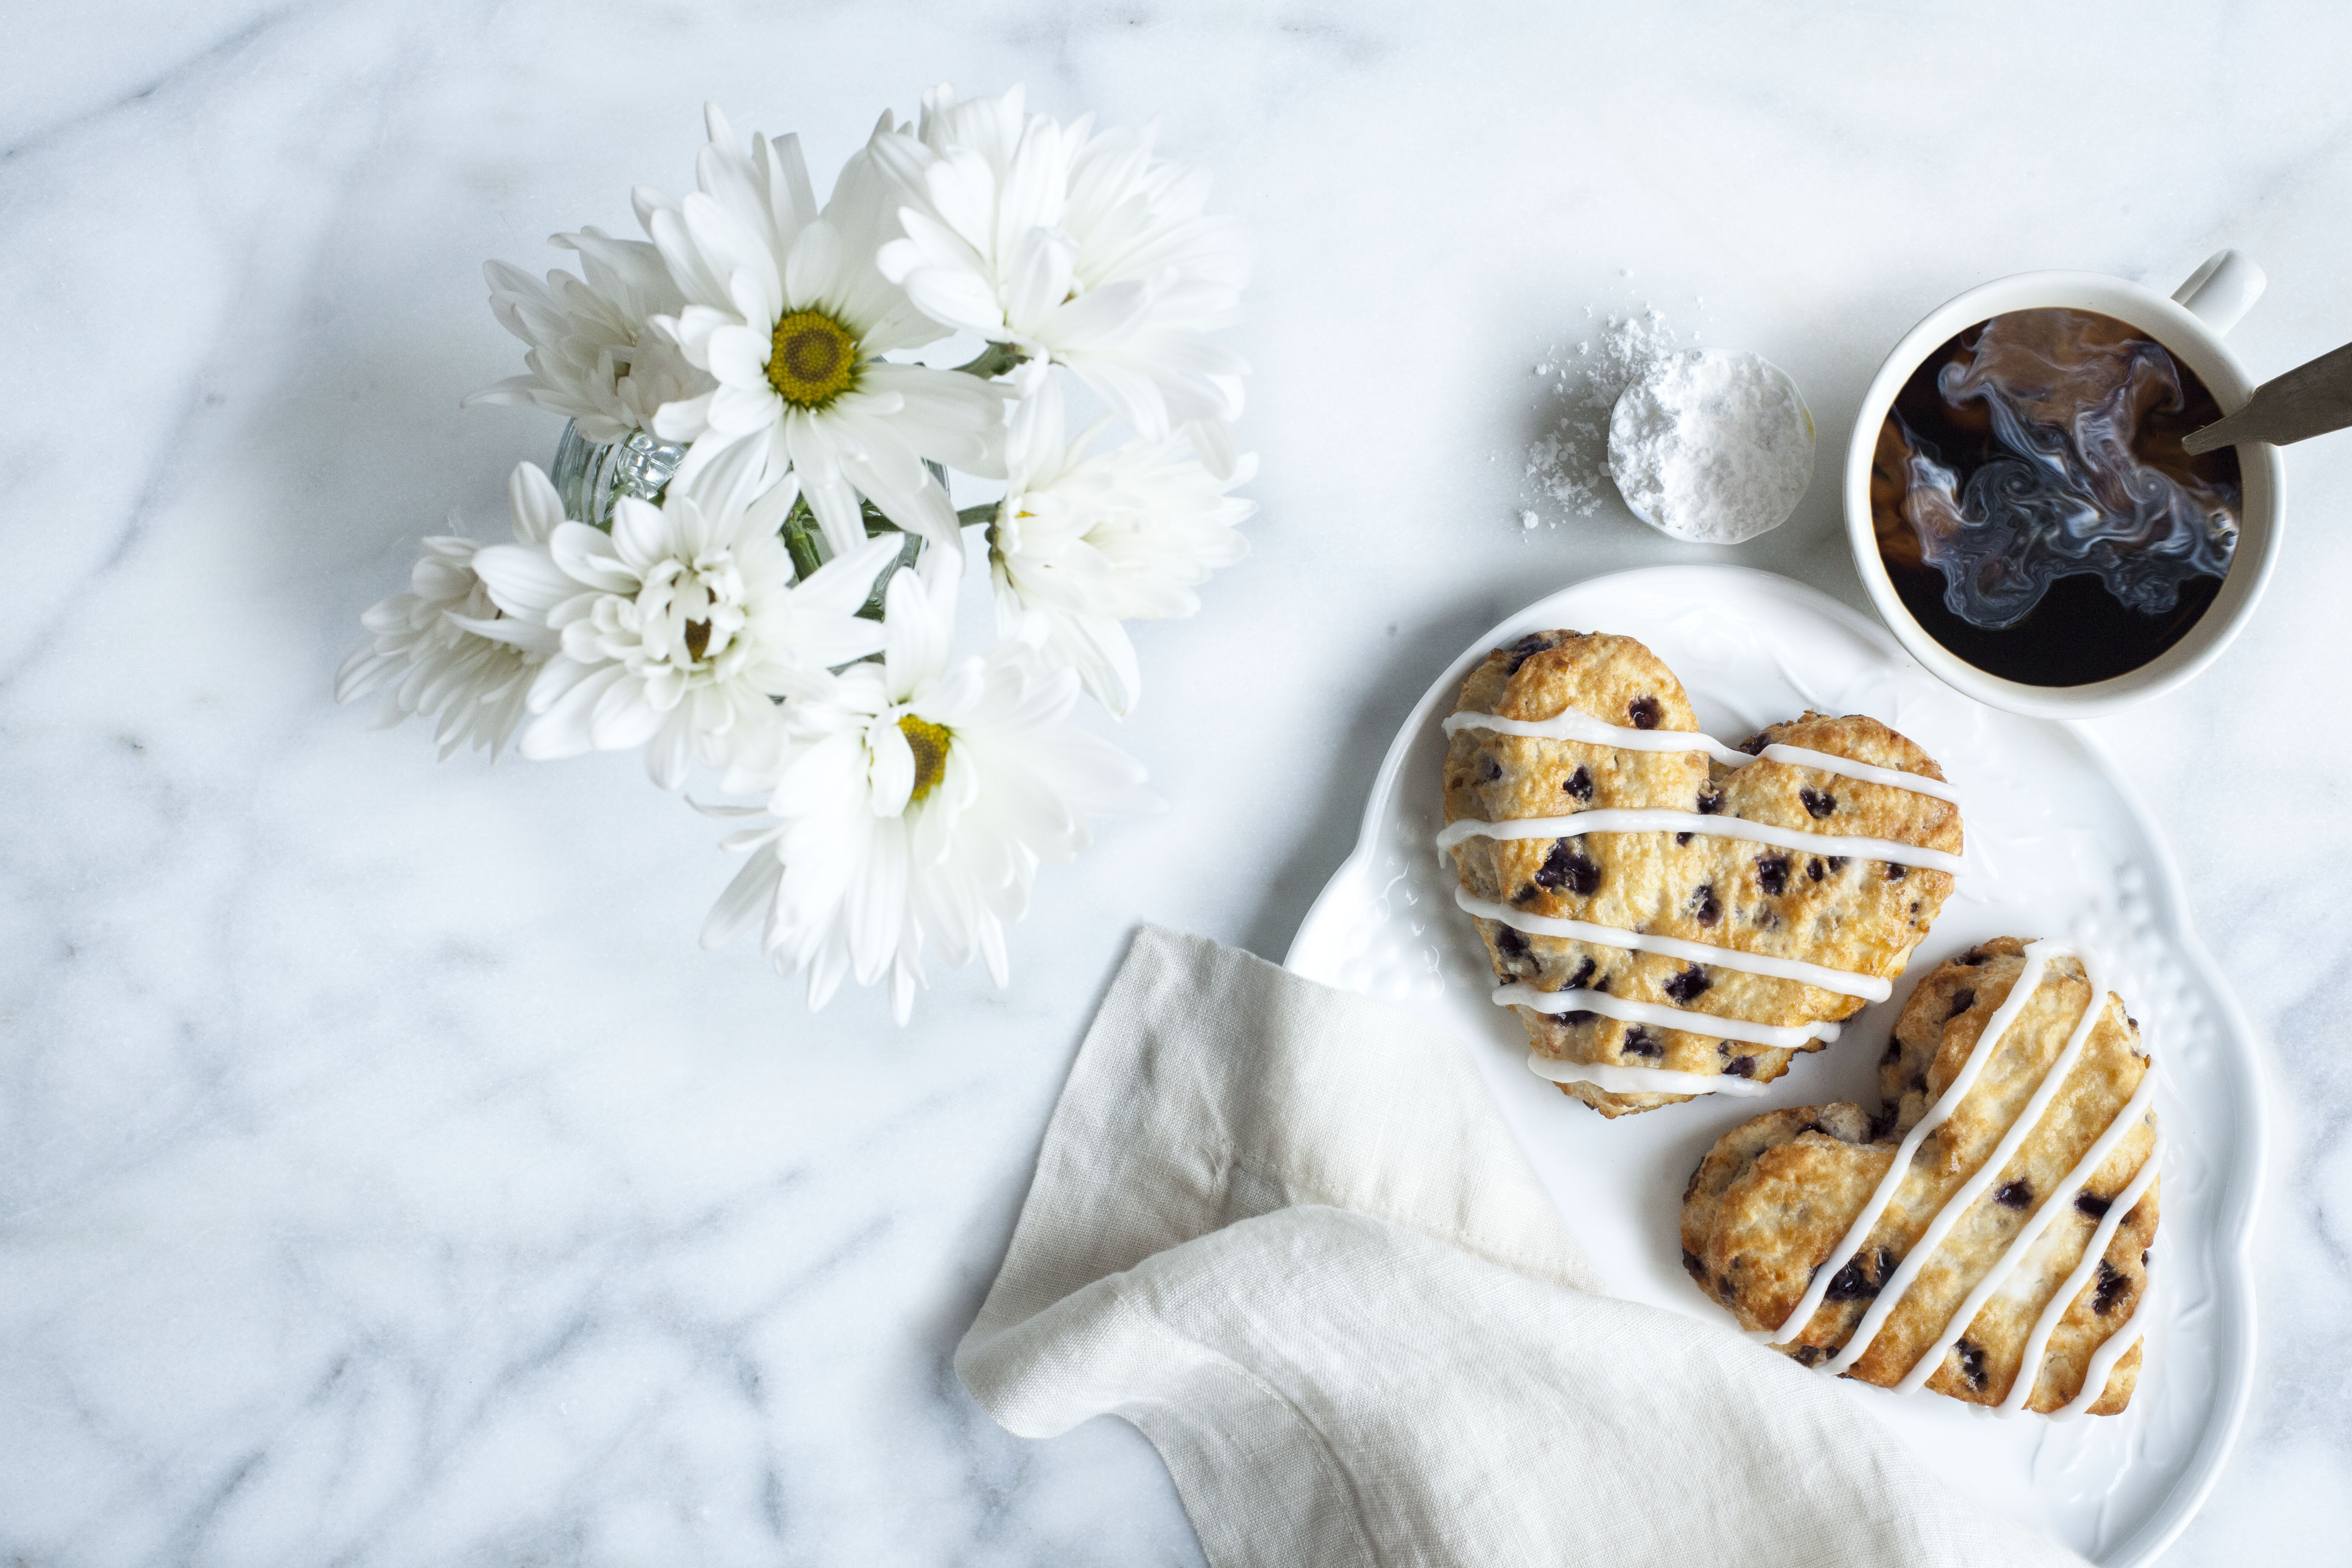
(2234, 1240)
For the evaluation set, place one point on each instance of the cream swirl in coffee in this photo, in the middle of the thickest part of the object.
(2034, 505)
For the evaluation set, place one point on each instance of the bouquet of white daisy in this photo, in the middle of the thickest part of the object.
(745, 559)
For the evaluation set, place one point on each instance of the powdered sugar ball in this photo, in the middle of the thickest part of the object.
(1712, 446)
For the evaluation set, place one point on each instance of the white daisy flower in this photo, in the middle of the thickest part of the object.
(681, 629)
(594, 356)
(1084, 251)
(456, 655)
(785, 310)
(1084, 540)
(914, 802)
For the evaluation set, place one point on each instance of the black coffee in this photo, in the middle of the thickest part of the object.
(2033, 504)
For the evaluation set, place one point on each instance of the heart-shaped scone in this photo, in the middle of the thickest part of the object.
(1986, 1236)
(1668, 915)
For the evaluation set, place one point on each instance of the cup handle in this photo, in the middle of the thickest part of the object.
(2222, 290)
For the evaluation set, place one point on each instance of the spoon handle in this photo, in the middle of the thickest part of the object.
(2309, 400)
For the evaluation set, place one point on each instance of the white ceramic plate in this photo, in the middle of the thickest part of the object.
(2057, 845)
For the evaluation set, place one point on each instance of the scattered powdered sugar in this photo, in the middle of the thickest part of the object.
(1712, 446)
(1569, 465)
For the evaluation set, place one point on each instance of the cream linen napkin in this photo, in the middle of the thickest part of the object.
(1282, 1230)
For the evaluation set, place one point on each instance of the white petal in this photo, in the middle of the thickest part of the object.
(514, 631)
(820, 777)
(737, 411)
(1132, 395)
(737, 356)
(877, 902)
(818, 463)
(685, 419)
(562, 729)
(892, 769)
(1212, 440)
(623, 716)
(670, 749)
(840, 586)
(956, 298)
(640, 538)
(814, 267)
(1038, 281)
(917, 635)
(537, 510)
(747, 896)
(725, 488)
(523, 579)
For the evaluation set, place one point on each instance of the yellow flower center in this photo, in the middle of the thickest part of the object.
(928, 741)
(811, 360)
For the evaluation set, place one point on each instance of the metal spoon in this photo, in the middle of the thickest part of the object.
(2309, 400)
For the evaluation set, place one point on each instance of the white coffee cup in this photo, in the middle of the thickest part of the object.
(2189, 324)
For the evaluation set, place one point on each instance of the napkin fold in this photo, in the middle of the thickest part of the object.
(1284, 1231)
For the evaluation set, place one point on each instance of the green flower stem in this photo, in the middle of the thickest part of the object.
(910, 547)
(993, 360)
(801, 541)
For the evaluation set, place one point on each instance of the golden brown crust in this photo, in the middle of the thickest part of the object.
(1843, 912)
(1771, 1201)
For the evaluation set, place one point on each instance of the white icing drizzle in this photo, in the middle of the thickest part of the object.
(1788, 1039)
(2037, 1343)
(1824, 761)
(1843, 982)
(1572, 725)
(1653, 820)
(2102, 1364)
(1891, 1291)
(2052, 1206)
(2028, 980)
(1640, 1081)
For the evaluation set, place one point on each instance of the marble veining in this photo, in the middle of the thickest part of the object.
(386, 1177)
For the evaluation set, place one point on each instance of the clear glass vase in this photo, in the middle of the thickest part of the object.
(591, 476)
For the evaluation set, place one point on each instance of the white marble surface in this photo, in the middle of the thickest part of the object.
(385, 1177)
